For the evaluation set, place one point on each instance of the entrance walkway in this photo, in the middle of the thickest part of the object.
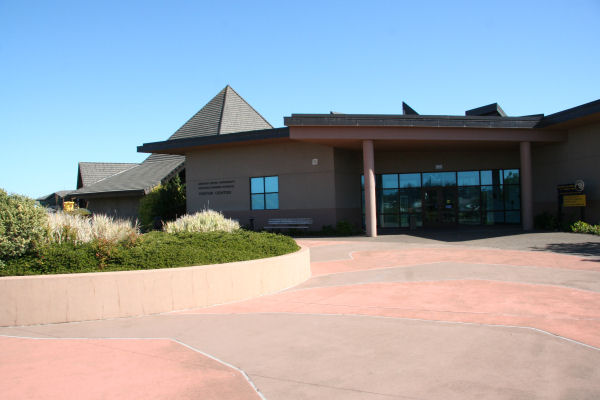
(400, 316)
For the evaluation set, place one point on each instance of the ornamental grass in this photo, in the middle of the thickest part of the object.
(204, 221)
(70, 228)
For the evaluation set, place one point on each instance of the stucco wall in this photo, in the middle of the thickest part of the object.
(562, 163)
(28, 300)
(220, 179)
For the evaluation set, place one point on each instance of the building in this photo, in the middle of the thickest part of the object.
(394, 171)
(117, 188)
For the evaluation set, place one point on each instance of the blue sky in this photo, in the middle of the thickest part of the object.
(90, 81)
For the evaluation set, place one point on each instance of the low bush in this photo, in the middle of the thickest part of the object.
(584, 227)
(152, 250)
(23, 225)
(205, 221)
(73, 228)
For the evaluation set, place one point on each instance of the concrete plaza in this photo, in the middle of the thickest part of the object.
(451, 314)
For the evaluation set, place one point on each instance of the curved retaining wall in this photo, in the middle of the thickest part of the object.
(43, 299)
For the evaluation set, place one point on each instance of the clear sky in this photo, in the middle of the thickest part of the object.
(90, 81)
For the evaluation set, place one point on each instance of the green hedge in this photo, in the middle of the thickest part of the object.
(584, 227)
(152, 250)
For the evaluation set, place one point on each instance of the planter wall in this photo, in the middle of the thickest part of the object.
(44, 299)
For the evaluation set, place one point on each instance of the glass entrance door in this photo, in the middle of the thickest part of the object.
(439, 206)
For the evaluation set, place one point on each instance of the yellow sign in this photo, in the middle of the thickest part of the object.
(574, 200)
(68, 205)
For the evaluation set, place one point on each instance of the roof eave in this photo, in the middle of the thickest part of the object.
(181, 146)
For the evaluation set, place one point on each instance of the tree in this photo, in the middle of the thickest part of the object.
(164, 203)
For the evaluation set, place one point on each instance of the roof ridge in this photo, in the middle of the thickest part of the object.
(104, 162)
(220, 122)
(248, 104)
(199, 111)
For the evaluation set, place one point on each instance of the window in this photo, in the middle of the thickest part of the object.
(482, 196)
(264, 193)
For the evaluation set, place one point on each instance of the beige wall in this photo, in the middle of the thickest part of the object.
(328, 192)
(348, 168)
(220, 179)
(45, 299)
(562, 163)
(122, 207)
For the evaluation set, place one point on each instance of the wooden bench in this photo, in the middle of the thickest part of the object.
(289, 223)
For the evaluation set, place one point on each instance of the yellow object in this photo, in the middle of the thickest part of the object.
(574, 200)
(68, 205)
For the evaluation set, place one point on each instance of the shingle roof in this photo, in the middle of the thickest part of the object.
(92, 172)
(140, 179)
(226, 113)
(59, 193)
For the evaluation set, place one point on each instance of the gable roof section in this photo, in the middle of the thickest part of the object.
(137, 180)
(91, 172)
(225, 113)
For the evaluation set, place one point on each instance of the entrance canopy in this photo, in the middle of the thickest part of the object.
(485, 127)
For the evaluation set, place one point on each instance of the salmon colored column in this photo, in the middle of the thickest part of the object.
(526, 187)
(369, 173)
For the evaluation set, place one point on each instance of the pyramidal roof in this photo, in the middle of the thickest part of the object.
(227, 112)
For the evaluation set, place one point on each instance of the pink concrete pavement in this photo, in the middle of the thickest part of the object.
(114, 369)
(441, 336)
(570, 313)
(413, 256)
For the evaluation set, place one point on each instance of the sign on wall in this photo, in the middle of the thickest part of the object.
(216, 187)
(574, 200)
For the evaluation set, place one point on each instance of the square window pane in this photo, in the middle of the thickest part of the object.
(491, 177)
(468, 178)
(389, 181)
(271, 184)
(389, 221)
(410, 180)
(439, 179)
(469, 199)
(258, 201)
(404, 220)
(257, 185)
(362, 199)
(469, 217)
(389, 201)
(512, 199)
(511, 176)
(491, 198)
(410, 200)
(272, 200)
(513, 217)
(493, 217)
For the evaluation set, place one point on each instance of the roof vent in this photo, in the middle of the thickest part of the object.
(407, 110)
(335, 113)
(491, 110)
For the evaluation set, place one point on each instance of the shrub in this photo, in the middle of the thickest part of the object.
(584, 227)
(152, 250)
(75, 229)
(163, 203)
(205, 221)
(23, 225)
